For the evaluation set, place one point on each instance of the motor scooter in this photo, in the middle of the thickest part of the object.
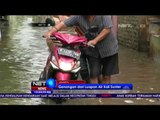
(63, 63)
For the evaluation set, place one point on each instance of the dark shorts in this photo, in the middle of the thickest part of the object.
(83, 60)
(106, 66)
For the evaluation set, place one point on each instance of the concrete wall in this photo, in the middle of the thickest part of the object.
(154, 33)
(128, 31)
(155, 47)
(133, 32)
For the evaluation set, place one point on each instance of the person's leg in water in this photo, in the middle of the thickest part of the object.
(110, 67)
(95, 69)
(100, 78)
(106, 79)
(84, 72)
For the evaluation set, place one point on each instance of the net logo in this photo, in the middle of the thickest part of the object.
(43, 87)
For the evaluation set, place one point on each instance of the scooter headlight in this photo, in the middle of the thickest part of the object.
(65, 66)
(54, 60)
(77, 67)
(54, 63)
(77, 64)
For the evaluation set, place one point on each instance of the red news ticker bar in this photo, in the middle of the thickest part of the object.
(70, 82)
(106, 95)
(40, 88)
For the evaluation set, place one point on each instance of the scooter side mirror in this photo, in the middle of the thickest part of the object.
(50, 22)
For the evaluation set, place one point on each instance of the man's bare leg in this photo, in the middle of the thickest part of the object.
(94, 80)
(106, 80)
(100, 78)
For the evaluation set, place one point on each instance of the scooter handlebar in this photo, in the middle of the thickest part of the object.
(92, 46)
(51, 37)
(85, 43)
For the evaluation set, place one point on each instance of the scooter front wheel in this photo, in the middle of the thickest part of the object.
(42, 77)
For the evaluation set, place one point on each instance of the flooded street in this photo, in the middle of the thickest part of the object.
(23, 54)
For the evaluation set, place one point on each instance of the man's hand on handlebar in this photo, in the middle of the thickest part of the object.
(88, 45)
(47, 35)
(92, 42)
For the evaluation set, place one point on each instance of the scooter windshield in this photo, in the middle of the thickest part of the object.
(69, 39)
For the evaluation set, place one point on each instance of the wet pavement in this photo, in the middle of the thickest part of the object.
(23, 53)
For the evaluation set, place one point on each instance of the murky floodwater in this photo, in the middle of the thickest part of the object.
(23, 54)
